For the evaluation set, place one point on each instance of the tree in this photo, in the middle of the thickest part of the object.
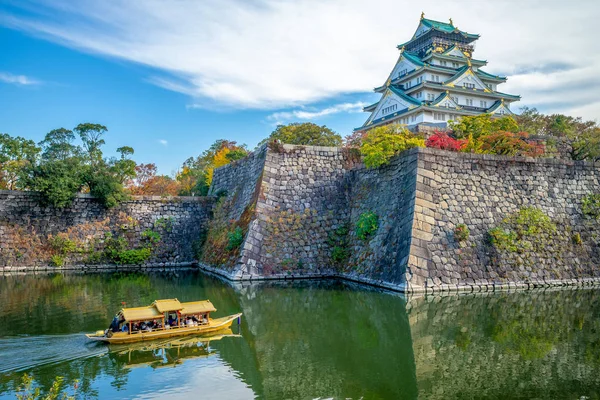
(16, 156)
(196, 174)
(143, 172)
(58, 145)
(380, 144)
(306, 133)
(91, 136)
(482, 125)
(160, 185)
(65, 168)
(587, 146)
(124, 168)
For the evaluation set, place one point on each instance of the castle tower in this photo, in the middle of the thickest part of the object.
(436, 80)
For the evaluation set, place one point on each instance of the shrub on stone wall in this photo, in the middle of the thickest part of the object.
(380, 144)
(591, 206)
(367, 225)
(522, 230)
(461, 233)
(443, 141)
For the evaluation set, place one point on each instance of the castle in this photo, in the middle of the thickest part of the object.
(436, 79)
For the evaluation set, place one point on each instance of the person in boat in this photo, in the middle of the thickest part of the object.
(172, 320)
(125, 328)
(114, 325)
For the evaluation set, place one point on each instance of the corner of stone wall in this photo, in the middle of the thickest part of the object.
(419, 259)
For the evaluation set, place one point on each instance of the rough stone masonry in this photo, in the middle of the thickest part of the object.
(305, 194)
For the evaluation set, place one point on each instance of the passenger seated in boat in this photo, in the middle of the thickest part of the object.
(189, 322)
(172, 321)
(124, 328)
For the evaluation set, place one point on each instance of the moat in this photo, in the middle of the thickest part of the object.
(304, 340)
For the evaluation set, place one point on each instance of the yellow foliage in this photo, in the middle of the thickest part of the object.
(219, 159)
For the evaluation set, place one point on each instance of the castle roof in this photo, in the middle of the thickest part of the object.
(446, 28)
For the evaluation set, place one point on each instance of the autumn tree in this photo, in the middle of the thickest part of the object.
(196, 174)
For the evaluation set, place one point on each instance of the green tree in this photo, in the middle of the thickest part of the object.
(16, 156)
(482, 125)
(58, 145)
(380, 144)
(306, 133)
(91, 137)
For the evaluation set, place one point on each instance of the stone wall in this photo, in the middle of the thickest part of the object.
(389, 192)
(480, 191)
(308, 200)
(25, 226)
(301, 201)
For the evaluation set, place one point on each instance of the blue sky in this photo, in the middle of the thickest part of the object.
(169, 78)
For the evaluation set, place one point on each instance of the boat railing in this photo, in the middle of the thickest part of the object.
(167, 329)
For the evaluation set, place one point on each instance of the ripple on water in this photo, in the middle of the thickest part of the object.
(19, 353)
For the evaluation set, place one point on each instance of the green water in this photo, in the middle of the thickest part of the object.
(307, 340)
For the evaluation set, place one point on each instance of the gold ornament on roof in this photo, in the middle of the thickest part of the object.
(451, 23)
(469, 61)
(422, 14)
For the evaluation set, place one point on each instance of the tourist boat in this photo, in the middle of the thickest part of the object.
(163, 319)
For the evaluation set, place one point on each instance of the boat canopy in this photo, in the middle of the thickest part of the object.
(159, 307)
(141, 313)
(197, 307)
(167, 305)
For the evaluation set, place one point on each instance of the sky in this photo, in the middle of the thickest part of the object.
(170, 77)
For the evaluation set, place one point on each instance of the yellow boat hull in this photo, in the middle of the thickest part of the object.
(124, 337)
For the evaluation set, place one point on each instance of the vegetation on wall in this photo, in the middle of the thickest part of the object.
(367, 225)
(522, 230)
(461, 233)
(87, 243)
(221, 243)
(591, 206)
(338, 241)
(511, 135)
(380, 144)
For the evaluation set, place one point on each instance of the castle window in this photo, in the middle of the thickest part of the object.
(444, 63)
(469, 85)
(469, 102)
(413, 118)
(439, 116)
(455, 64)
(389, 109)
(483, 104)
(430, 96)
(455, 99)
(403, 72)
(420, 80)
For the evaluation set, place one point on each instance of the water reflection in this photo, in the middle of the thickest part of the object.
(304, 340)
(166, 353)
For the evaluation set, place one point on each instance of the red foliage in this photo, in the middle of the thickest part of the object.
(511, 144)
(443, 141)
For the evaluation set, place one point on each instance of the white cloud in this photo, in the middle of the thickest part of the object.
(302, 114)
(272, 54)
(163, 142)
(17, 79)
